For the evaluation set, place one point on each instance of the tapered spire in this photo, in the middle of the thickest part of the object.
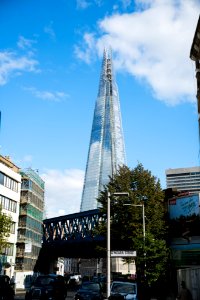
(106, 149)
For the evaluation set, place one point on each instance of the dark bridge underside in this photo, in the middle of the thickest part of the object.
(73, 249)
(73, 236)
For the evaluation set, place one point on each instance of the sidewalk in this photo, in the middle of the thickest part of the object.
(20, 291)
(20, 294)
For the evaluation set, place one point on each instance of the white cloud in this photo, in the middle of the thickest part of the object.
(82, 4)
(24, 43)
(13, 65)
(153, 45)
(63, 191)
(47, 95)
(85, 54)
(126, 3)
(49, 30)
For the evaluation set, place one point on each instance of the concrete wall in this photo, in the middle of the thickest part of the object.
(23, 279)
(191, 276)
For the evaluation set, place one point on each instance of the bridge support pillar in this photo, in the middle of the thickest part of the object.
(53, 267)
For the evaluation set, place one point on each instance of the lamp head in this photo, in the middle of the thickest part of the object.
(120, 194)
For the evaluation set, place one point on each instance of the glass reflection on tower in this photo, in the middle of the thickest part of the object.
(106, 149)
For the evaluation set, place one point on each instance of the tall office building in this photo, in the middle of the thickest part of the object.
(106, 149)
(184, 179)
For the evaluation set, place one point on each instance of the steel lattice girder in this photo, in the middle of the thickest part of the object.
(76, 226)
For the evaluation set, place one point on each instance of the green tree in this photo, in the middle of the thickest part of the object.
(127, 221)
(5, 225)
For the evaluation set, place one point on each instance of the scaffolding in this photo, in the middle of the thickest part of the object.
(34, 176)
(30, 220)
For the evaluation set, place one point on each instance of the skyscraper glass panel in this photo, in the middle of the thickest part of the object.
(106, 149)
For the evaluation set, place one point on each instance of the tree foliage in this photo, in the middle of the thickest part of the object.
(5, 225)
(127, 219)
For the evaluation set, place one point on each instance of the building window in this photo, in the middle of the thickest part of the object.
(8, 204)
(8, 250)
(8, 182)
(1, 178)
(26, 184)
(12, 228)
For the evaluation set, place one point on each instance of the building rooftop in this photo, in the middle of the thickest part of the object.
(195, 49)
(8, 163)
(33, 175)
(182, 170)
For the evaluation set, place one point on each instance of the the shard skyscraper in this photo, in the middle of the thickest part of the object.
(106, 149)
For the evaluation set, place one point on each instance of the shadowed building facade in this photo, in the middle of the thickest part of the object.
(106, 149)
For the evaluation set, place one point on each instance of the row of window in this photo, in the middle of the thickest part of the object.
(184, 174)
(21, 251)
(27, 196)
(8, 204)
(24, 263)
(188, 179)
(27, 184)
(26, 221)
(26, 233)
(31, 211)
(12, 184)
(8, 250)
(8, 182)
(182, 185)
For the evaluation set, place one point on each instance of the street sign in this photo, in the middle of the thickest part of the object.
(123, 253)
(28, 247)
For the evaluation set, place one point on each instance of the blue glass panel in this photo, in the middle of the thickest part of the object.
(106, 149)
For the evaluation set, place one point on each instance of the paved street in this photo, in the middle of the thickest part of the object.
(20, 295)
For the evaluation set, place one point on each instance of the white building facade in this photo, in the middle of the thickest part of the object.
(10, 188)
(184, 179)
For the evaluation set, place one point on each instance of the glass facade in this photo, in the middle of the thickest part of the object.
(106, 149)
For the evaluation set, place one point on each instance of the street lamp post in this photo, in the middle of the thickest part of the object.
(108, 235)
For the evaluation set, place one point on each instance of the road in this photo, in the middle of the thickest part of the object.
(20, 295)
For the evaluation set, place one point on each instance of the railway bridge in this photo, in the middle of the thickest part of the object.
(70, 236)
(73, 236)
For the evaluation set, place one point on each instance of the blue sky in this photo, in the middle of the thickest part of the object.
(50, 61)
